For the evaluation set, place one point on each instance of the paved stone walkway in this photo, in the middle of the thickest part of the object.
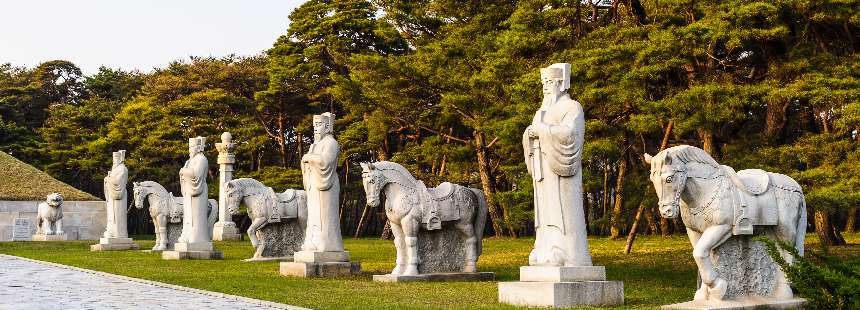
(32, 284)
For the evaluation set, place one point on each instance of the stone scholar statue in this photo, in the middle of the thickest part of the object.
(560, 259)
(436, 230)
(721, 209)
(322, 251)
(49, 219)
(166, 211)
(278, 220)
(195, 242)
(115, 236)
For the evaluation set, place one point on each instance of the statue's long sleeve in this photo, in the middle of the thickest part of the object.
(115, 182)
(327, 163)
(195, 172)
(564, 150)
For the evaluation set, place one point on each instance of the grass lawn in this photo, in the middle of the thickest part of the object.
(659, 271)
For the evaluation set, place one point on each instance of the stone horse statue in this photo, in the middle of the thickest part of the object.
(49, 216)
(410, 206)
(715, 203)
(265, 206)
(165, 208)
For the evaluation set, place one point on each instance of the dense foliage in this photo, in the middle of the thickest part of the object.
(447, 87)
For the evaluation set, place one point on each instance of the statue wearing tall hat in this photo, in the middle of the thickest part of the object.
(116, 198)
(322, 185)
(192, 182)
(553, 149)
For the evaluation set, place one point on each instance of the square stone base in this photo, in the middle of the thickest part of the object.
(43, 237)
(320, 270)
(114, 244)
(321, 257)
(181, 255)
(562, 294)
(448, 276)
(225, 231)
(745, 303)
(269, 259)
(193, 247)
(562, 274)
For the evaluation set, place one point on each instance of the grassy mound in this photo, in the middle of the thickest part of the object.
(20, 181)
(659, 271)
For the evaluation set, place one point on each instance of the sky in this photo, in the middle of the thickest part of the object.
(137, 34)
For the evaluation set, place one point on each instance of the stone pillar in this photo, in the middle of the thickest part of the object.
(225, 229)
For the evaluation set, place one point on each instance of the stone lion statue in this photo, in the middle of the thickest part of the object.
(49, 218)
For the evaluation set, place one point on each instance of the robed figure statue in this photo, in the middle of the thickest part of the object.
(116, 198)
(322, 186)
(195, 196)
(553, 151)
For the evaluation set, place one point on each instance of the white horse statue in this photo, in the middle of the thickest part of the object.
(165, 208)
(715, 203)
(49, 216)
(265, 206)
(410, 206)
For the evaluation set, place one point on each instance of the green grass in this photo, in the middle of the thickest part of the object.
(20, 181)
(659, 271)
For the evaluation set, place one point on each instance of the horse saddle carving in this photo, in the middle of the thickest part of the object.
(439, 204)
(281, 206)
(750, 209)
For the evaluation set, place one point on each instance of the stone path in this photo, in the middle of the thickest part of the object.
(32, 284)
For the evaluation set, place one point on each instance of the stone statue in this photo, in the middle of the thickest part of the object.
(560, 272)
(166, 212)
(116, 197)
(321, 182)
(417, 214)
(322, 253)
(115, 236)
(49, 217)
(278, 220)
(721, 209)
(195, 242)
(195, 192)
(553, 148)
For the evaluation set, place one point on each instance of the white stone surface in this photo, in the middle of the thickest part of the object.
(30, 284)
(413, 210)
(225, 229)
(49, 217)
(116, 198)
(322, 185)
(321, 256)
(721, 208)
(562, 274)
(192, 181)
(166, 211)
(741, 304)
(283, 215)
(560, 271)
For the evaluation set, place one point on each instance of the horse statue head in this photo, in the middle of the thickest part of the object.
(373, 181)
(234, 194)
(54, 200)
(669, 178)
(139, 194)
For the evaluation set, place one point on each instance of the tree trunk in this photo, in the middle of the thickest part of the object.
(282, 141)
(615, 220)
(300, 149)
(605, 201)
(665, 227)
(386, 231)
(775, 120)
(653, 228)
(487, 183)
(851, 222)
(632, 235)
(708, 144)
(827, 234)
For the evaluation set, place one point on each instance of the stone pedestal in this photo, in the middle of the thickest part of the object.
(441, 277)
(43, 237)
(279, 241)
(225, 230)
(320, 264)
(546, 286)
(744, 303)
(114, 244)
(199, 250)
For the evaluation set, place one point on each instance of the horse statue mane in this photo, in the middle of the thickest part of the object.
(243, 184)
(392, 166)
(687, 154)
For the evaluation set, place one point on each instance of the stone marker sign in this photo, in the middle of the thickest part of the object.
(21, 231)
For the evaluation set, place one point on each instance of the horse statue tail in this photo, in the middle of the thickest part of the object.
(480, 218)
(801, 226)
(213, 212)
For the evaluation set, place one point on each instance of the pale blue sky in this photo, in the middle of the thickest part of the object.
(139, 34)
